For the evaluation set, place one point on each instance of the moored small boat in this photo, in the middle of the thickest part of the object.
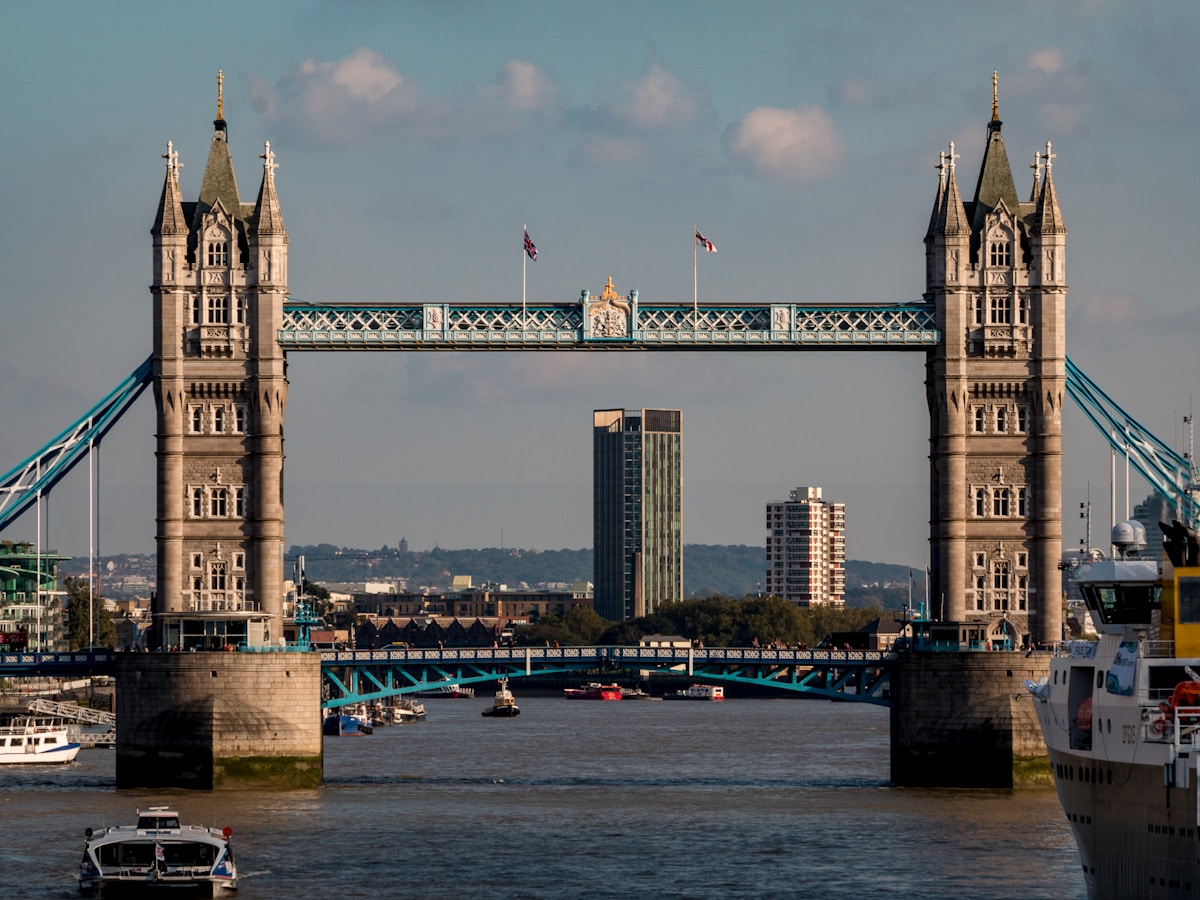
(447, 691)
(698, 692)
(504, 706)
(345, 725)
(29, 740)
(157, 855)
(593, 691)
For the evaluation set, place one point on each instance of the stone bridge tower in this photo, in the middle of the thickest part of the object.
(220, 382)
(996, 274)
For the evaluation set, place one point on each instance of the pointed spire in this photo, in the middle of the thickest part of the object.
(1036, 165)
(1049, 217)
(936, 220)
(169, 218)
(267, 217)
(954, 218)
(995, 175)
(219, 181)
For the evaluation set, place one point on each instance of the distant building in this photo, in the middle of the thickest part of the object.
(806, 549)
(637, 512)
(23, 607)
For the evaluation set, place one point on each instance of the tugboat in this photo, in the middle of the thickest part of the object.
(504, 706)
(157, 855)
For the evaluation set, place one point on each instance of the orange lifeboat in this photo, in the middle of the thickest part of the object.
(1083, 716)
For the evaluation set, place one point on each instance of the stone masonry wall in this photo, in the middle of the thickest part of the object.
(219, 720)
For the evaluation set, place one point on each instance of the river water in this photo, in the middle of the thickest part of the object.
(747, 798)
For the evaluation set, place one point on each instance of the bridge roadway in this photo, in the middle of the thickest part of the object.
(352, 676)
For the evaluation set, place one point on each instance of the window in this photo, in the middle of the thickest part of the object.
(240, 310)
(1023, 309)
(1000, 253)
(1000, 502)
(979, 310)
(1000, 576)
(1022, 420)
(1022, 560)
(1001, 310)
(981, 504)
(198, 584)
(194, 302)
(1001, 419)
(218, 253)
(239, 560)
(217, 506)
(219, 419)
(216, 576)
(1022, 503)
(239, 419)
(195, 560)
(197, 504)
(979, 419)
(197, 420)
(239, 503)
(218, 310)
(1022, 591)
(980, 590)
(979, 560)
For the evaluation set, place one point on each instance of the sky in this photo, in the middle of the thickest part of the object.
(414, 141)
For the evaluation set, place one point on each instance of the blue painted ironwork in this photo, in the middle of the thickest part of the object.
(1171, 474)
(21, 485)
(623, 324)
(357, 676)
(30, 664)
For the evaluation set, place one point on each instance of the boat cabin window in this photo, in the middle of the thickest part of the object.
(1122, 604)
(158, 823)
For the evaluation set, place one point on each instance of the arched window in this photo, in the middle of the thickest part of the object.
(1022, 420)
(1000, 502)
(1001, 419)
(197, 503)
(1022, 502)
(979, 419)
(216, 576)
(219, 419)
(981, 503)
(1001, 310)
(1000, 253)
(239, 419)
(218, 310)
(980, 592)
(239, 502)
(218, 504)
(197, 420)
(218, 253)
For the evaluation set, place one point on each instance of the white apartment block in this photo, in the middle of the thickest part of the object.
(806, 549)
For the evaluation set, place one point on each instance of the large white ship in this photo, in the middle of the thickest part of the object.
(1121, 715)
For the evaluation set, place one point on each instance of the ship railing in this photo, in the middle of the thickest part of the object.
(1157, 649)
(1178, 725)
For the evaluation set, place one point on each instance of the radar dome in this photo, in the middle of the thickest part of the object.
(1129, 536)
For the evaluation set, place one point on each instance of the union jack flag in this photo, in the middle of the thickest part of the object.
(530, 247)
(709, 246)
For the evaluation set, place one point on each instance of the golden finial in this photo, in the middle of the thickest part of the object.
(220, 80)
(995, 95)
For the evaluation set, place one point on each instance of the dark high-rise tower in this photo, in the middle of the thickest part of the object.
(637, 511)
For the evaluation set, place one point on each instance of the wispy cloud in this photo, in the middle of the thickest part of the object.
(1049, 60)
(364, 94)
(789, 145)
(658, 100)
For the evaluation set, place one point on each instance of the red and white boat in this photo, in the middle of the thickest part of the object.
(593, 691)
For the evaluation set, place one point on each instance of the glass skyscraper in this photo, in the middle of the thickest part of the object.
(637, 510)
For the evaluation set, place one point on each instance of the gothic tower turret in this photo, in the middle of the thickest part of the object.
(994, 272)
(220, 280)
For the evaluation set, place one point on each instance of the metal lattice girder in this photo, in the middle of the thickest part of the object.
(440, 326)
(1171, 474)
(353, 676)
(21, 485)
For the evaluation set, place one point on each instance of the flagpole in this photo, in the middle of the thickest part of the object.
(524, 258)
(695, 293)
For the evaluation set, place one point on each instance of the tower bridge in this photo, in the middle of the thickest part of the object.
(990, 320)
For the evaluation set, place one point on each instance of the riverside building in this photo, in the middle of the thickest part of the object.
(806, 549)
(637, 512)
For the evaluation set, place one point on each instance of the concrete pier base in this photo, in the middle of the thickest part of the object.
(966, 720)
(219, 721)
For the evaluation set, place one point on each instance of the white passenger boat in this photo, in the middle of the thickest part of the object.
(29, 740)
(157, 855)
(698, 692)
(1121, 720)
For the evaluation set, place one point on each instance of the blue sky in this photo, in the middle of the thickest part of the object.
(415, 139)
